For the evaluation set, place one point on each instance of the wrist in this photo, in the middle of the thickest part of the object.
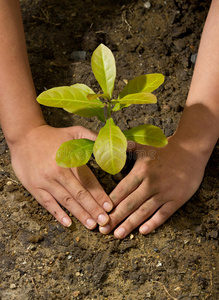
(16, 128)
(197, 131)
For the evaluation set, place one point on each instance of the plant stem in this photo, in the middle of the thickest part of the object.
(109, 109)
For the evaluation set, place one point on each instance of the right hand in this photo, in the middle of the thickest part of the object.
(77, 189)
(160, 182)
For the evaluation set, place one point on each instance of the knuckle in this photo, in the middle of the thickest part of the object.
(99, 197)
(153, 179)
(143, 211)
(114, 220)
(78, 130)
(152, 224)
(67, 199)
(129, 224)
(121, 190)
(130, 205)
(60, 172)
(46, 176)
(165, 214)
(94, 212)
(47, 203)
(137, 180)
(156, 222)
(88, 181)
(81, 194)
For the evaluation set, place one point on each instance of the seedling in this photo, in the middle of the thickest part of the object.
(110, 147)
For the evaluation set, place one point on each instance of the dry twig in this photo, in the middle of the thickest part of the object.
(155, 281)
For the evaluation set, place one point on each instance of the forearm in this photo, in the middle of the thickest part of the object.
(19, 111)
(200, 120)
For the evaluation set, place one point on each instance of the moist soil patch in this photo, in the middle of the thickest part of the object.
(40, 259)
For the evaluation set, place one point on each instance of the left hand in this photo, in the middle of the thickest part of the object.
(54, 187)
(156, 187)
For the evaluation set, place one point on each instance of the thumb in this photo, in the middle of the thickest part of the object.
(80, 132)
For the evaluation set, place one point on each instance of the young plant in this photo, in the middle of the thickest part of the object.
(110, 146)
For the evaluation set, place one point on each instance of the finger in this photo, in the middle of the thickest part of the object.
(49, 203)
(89, 181)
(136, 218)
(62, 196)
(80, 132)
(159, 217)
(130, 183)
(71, 194)
(127, 207)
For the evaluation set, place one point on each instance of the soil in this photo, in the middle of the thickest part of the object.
(40, 259)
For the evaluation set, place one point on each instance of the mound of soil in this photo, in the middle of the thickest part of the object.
(39, 259)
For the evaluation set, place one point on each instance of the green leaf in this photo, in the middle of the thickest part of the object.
(117, 107)
(104, 68)
(147, 135)
(74, 100)
(74, 153)
(110, 148)
(144, 83)
(138, 98)
(92, 97)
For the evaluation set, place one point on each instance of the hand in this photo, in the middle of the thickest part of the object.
(77, 189)
(161, 181)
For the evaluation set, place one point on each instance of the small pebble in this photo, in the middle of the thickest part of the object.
(76, 294)
(10, 186)
(132, 236)
(31, 247)
(199, 239)
(2, 171)
(12, 286)
(193, 58)
(147, 4)
(159, 264)
(186, 241)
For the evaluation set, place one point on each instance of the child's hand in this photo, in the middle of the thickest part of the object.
(161, 181)
(33, 160)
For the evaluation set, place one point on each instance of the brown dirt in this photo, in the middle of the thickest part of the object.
(39, 259)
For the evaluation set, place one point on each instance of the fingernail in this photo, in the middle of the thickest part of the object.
(104, 229)
(90, 223)
(144, 229)
(107, 206)
(102, 220)
(120, 232)
(66, 222)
